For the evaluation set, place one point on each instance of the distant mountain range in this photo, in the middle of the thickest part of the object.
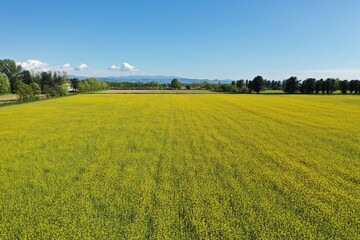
(159, 79)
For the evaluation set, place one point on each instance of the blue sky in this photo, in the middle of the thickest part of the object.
(221, 39)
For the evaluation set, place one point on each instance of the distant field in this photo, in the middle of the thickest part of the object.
(6, 98)
(158, 91)
(172, 166)
(273, 92)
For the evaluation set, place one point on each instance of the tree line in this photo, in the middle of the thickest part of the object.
(87, 85)
(153, 85)
(291, 86)
(29, 85)
(327, 86)
(138, 85)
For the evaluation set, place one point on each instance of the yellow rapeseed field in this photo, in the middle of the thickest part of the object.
(210, 166)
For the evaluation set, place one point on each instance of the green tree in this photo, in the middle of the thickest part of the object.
(330, 85)
(308, 86)
(25, 91)
(228, 88)
(344, 86)
(4, 84)
(61, 83)
(26, 77)
(322, 86)
(240, 83)
(36, 88)
(46, 82)
(258, 84)
(354, 86)
(249, 86)
(12, 71)
(291, 85)
(74, 83)
(92, 84)
(175, 84)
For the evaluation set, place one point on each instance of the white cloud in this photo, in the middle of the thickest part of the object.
(114, 67)
(34, 65)
(82, 66)
(66, 65)
(125, 67)
(81, 69)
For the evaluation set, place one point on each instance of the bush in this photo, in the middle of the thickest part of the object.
(244, 89)
(4, 84)
(25, 92)
(92, 84)
(228, 88)
(36, 88)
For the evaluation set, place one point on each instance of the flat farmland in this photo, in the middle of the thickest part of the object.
(173, 166)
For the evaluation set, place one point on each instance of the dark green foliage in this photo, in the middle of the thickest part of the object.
(343, 86)
(74, 83)
(308, 86)
(322, 86)
(257, 84)
(53, 84)
(26, 77)
(330, 85)
(175, 84)
(250, 86)
(46, 82)
(60, 86)
(240, 83)
(318, 86)
(291, 85)
(354, 86)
